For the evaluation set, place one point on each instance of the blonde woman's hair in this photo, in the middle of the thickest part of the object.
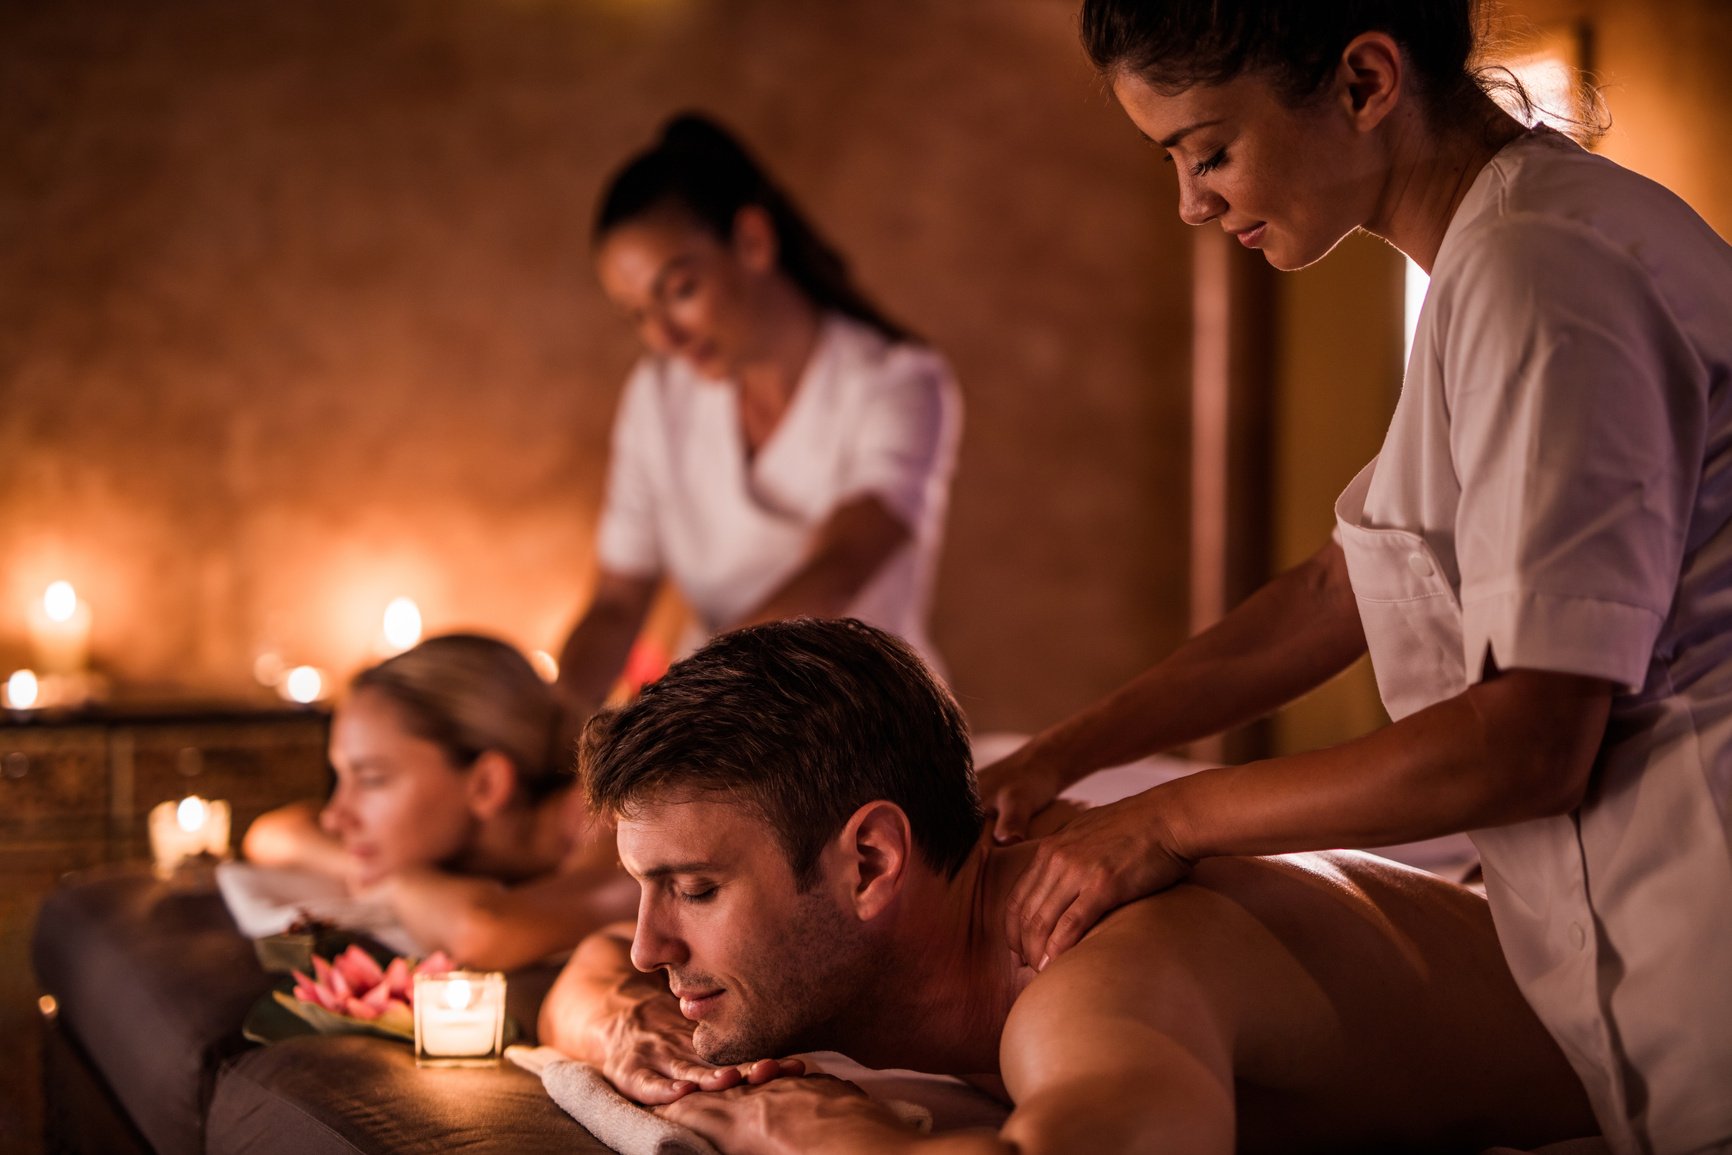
(468, 694)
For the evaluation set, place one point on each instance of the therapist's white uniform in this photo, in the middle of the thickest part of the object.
(869, 417)
(1555, 493)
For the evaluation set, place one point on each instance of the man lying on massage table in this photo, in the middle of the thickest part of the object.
(797, 803)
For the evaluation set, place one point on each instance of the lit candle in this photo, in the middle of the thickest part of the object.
(303, 684)
(187, 829)
(546, 665)
(402, 625)
(22, 690)
(60, 630)
(459, 1018)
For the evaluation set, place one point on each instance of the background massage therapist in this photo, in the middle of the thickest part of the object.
(1539, 560)
(783, 449)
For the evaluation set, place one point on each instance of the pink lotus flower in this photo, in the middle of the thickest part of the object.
(353, 984)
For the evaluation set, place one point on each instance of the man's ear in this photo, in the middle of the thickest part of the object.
(877, 845)
(754, 241)
(1370, 78)
(491, 782)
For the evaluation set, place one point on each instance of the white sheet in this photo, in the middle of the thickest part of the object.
(266, 901)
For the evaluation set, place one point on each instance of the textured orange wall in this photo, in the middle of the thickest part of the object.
(296, 312)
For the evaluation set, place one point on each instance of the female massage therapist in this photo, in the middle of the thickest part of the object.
(783, 449)
(1539, 560)
(455, 806)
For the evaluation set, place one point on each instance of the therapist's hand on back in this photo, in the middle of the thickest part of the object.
(1105, 858)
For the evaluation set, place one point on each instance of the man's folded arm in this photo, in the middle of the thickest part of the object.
(605, 1012)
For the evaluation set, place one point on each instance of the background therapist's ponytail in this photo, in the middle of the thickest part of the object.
(700, 167)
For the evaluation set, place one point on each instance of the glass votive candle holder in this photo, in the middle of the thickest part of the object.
(459, 1019)
(189, 829)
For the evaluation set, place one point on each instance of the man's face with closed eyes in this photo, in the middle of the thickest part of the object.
(761, 967)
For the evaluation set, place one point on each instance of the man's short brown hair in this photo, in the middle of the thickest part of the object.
(805, 721)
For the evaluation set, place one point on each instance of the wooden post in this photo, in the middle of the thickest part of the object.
(1232, 395)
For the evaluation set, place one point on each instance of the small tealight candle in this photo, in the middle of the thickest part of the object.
(402, 625)
(60, 630)
(303, 684)
(459, 1019)
(187, 829)
(22, 690)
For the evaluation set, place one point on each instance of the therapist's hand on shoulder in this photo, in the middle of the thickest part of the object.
(1107, 857)
(1016, 788)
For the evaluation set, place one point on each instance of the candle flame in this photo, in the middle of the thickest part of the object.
(304, 684)
(546, 665)
(60, 601)
(402, 623)
(459, 994)
(191, 813)
(21, 690)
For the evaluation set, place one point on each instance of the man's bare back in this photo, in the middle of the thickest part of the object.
(1344, 1000)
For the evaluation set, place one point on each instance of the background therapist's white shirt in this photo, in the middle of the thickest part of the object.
(1555, 493)
(869, 416)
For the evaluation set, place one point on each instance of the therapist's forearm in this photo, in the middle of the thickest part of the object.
(596, 650)
(851, 547)
(1292, 635)
(1517, 747)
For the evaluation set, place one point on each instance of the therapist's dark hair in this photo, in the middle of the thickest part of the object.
(1175, 44)
(704, 170)
(804, 721)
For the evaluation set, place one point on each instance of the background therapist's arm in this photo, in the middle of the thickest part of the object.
(852, 545)
(901, 450)
(596, 650)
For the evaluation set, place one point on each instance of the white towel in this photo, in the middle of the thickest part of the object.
(586, 1095)
(268, 900)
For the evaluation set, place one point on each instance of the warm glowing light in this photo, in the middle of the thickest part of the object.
(545, 665)
(459, 994)
(402, 623)
(304, 684)
(22, 690)
(1553, 94)
(191, 813)
(1414, 286)
(60, 602)
(48, 1005)
(268, 668)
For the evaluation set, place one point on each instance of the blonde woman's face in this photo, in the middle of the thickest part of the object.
(399, 802)
(684, 290)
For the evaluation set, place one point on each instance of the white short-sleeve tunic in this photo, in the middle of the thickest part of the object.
(1555, 493)
(869, 416)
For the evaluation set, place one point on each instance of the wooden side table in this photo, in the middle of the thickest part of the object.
(75, 790)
